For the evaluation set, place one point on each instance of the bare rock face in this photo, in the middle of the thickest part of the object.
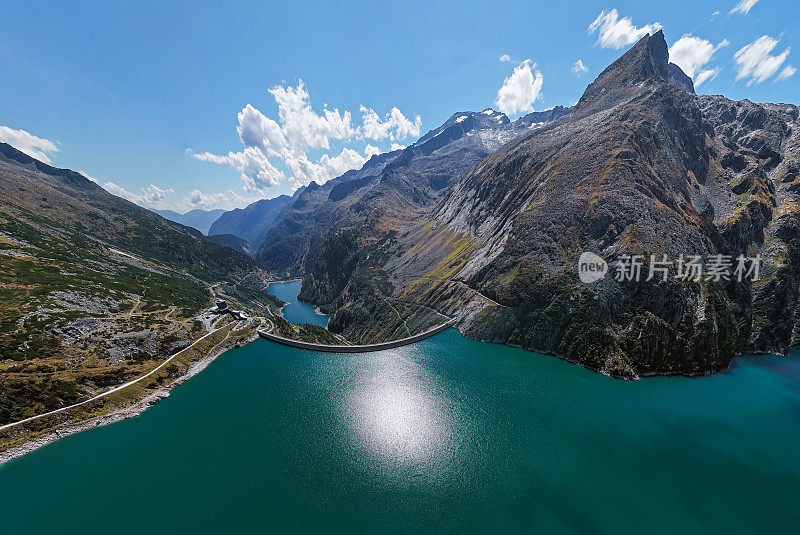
(760, 165)
(641, 166)
(486, 218)
(327, 232)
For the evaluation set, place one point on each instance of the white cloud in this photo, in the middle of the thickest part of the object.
(209, 157)
(151, 196)
(257, 172)
(708, 74)
(756, 62)
(372, 150)
(505, 57)
(87, 175)
(228, 200)
(744, 6)
(579, 68)
(205, 201)
(395, 125)
(256, 130)
(614, 32)
(33, 146)
(521, 89)
(346, 160)
(396, 146)
(786, 73)
(302, 126)
(277, 152)
(692, 53)
(160, 198)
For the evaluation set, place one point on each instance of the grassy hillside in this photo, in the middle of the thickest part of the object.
(95, 290)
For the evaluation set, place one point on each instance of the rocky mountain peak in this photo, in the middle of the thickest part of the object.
(646, 61)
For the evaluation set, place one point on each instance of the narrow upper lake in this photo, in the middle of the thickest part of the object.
(296, 311)
(447, 435)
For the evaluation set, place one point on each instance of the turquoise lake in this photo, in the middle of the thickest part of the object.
(296, 311)
(446, 435)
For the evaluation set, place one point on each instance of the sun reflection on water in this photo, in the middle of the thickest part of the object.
(398, 413)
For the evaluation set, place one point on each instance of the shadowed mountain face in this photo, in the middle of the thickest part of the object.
(234, 242)
(640, 166)
(254, 221)
(197, 218)
(329, 229)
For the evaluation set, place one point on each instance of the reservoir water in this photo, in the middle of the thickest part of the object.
(446, 435)
(296, 311)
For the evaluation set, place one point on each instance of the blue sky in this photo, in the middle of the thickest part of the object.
(145, 97)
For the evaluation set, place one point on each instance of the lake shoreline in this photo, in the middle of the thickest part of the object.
(297, 305)
(124, 413)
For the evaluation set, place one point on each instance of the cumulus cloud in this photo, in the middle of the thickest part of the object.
(756, 62)
(521, 89)
(394, 125)
(165, 198)
(256, 130)
(786, 73)
(33, 146)
(396, 146)
(579, 68)
(302, 126)
(205, 201)
(615, 32)
(692, 53)
(277, 151)
(150, 197)
(505, 57)
(744, 7)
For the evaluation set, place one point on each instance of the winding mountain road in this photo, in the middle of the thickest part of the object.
(125, 385)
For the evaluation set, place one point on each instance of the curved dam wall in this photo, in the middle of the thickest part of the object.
(361, 348)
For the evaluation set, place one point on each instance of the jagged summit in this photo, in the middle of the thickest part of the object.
(646, 61)
(486, 221)
(538, 118)
(465, 121)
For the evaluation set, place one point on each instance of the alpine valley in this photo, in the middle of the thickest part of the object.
(484, 219)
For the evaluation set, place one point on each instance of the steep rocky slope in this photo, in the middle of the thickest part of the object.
(641, 166)
(330, 234)
(234, 242)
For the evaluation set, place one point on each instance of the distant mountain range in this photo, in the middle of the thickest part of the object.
(254, 221)
(486, 218)
(483, 218)
(197, 218)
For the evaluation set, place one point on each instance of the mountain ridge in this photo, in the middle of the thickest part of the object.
(252, 222)
(95, 289)
(197, 218)
(640, 165)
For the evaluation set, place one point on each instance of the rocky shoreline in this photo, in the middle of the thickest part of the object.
(125, 412)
